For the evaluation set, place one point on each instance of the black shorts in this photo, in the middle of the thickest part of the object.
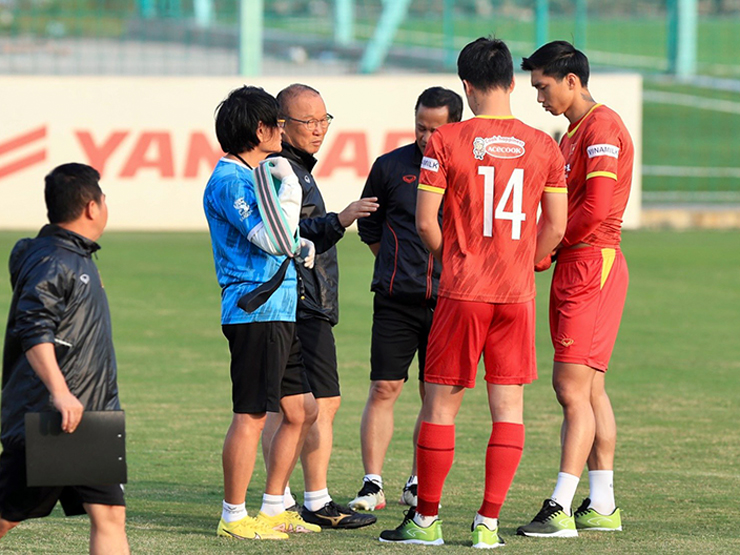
(399, 331)
(266, 365)
(319, 356)
(19, 502)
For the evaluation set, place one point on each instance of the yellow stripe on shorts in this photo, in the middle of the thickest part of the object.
(607, 261)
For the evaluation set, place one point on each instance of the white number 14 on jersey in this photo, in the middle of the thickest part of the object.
(514, 190)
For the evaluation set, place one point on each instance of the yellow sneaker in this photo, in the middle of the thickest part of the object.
(248, 528)
(288, 521)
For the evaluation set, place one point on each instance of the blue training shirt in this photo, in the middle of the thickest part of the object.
(231, 209)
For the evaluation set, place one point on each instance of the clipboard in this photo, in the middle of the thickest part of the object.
(94, 455)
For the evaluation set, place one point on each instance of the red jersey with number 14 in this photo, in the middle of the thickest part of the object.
(492, 172)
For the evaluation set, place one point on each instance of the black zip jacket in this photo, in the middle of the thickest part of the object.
(57, 298)
(320, 283)
(404, 270)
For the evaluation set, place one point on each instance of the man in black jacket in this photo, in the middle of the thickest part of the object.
(59, 353)
(306, 124)
(405, 283)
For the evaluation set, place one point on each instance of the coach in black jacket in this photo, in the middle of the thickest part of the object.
(405, 283)
(306, 123)
(59, 352)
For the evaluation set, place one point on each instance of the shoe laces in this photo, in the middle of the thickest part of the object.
(548, 510)
(408, 516)
(369, 488)
(584, 507)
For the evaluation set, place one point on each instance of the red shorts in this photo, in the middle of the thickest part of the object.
(587, 297)
(463, 330)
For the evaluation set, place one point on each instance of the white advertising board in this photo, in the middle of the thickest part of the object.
(152, 139)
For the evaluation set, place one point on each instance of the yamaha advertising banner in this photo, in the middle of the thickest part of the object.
(153, 141)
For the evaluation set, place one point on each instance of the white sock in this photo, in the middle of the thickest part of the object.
(232, 513)
(491, 523)
(424, 521)
(272, 505)
(565, 490)
(413, 480)
(601, 483)
(374, 478)
(288, 500)
(315, 500)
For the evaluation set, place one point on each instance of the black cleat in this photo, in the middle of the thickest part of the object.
(337, 516)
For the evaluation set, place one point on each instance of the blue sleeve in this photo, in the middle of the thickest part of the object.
(239, 204)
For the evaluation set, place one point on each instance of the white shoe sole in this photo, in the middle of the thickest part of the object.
(364, 506)
(558, 534)
(440, 541)
(482, 545)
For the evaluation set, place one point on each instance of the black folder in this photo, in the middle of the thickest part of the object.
(93, 455)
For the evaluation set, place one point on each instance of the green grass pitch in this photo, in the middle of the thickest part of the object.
(673, 384)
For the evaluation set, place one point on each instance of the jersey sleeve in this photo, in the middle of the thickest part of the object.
(602, 148)
(556, 176)
(433, 176)
(370, 228)
(239, 204)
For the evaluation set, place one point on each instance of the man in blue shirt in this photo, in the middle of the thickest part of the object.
(266, 368)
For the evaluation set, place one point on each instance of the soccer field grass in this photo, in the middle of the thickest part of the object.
(673, 384)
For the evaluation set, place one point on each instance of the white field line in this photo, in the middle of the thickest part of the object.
(658, 97)
(691, 196)
(687, 171)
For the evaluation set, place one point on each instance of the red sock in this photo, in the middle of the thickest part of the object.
(435, 450)
(502, 459)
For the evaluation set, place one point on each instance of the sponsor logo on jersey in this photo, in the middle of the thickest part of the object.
(429, 164)
(243, 208)
(498, 147)
(567, 341)
(602, 150)
(84, 278)
(409, 178)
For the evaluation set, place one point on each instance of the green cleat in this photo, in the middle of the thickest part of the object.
(551, 522)
(485, 538)
(589, 519)
(410, 532)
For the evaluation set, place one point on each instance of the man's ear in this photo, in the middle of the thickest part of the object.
(573, 80)
(466, 87)
(92, 210)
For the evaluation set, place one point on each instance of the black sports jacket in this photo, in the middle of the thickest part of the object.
(321, 283)
(404, 270)
(57, 298)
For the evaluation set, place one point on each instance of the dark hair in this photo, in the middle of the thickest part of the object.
(439, 97)
(486, 64)
(289, 94)
(558, 59)
(238, 117)
(69, 188)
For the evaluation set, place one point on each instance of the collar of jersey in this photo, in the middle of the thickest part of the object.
(572, 132)
(495, 117)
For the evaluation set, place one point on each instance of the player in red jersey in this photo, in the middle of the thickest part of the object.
(493, 172)
(589, 287)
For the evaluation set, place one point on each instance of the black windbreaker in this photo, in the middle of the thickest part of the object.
(320, 283)
(58, 298)
(404, 270)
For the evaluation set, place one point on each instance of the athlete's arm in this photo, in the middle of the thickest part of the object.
(427, 221)
(552, 224)
(594, 210)
(43, 360)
